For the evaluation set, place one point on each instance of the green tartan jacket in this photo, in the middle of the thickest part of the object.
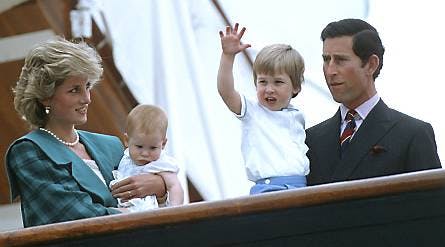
(54, 184)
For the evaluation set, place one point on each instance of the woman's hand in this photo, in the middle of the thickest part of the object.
(139, 186)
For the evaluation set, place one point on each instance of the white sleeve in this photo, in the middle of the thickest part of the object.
(165, 163)
(244, 103)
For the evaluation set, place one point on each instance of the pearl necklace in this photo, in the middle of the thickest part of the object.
(69, 144)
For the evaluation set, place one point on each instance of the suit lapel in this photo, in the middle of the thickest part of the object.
(62, 155)
(97, 156)
(373, 128)
(329, 136)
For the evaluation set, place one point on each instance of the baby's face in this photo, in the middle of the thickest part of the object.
(145, 148)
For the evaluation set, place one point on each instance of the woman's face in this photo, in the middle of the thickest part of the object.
(69, 104)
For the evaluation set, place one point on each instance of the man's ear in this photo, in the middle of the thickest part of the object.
(164, 142)
(126, 140)
(373, 64)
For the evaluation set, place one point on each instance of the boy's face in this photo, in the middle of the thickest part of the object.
(145, 148)
(274, 91)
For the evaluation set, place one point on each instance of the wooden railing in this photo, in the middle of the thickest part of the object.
(404, 209)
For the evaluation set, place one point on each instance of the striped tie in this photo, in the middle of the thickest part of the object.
(349, 130)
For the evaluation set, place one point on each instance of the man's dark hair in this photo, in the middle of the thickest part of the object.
(365, 39)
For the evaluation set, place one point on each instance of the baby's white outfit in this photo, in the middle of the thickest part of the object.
(127, 167)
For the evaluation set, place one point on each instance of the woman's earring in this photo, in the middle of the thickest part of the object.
(47, 108)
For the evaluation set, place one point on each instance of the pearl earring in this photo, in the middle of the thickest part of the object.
(47, 108)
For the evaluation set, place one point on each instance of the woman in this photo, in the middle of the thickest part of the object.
(61, 173)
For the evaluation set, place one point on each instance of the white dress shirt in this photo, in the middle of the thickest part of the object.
(362, 112)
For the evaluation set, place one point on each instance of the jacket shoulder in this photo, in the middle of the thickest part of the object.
(106, 144)
(100, 139)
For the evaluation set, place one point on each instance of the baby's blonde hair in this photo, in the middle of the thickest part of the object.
(147, 119)
(280, 58)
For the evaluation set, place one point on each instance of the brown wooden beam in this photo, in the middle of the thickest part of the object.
(248, 205)
(23, 18)
(56, 12)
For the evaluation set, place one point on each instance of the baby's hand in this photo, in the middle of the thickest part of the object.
(231, 41)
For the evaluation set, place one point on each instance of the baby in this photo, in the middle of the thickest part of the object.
(145, 139)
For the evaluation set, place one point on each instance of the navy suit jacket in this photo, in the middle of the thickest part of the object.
(54, 184)
(388, 142)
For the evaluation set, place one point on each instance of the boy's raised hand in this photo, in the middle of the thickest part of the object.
(231, 40)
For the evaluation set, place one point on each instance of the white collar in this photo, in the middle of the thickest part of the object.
(363, 109)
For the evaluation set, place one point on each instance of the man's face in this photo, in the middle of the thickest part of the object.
(350, 82)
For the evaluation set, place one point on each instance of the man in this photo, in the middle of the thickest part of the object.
(374, 140)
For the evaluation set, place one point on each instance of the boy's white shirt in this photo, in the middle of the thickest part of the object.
(273, 142)
(127, 167)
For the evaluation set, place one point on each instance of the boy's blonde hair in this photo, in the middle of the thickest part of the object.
(279, 58)
(147, 119)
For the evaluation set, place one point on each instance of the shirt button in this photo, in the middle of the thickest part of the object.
(267, 181)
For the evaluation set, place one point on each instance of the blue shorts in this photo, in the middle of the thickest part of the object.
(278, 183)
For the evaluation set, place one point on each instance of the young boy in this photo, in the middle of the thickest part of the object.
(273, 132)
(145, 137)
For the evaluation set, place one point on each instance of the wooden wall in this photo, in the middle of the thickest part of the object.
(111, 100)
